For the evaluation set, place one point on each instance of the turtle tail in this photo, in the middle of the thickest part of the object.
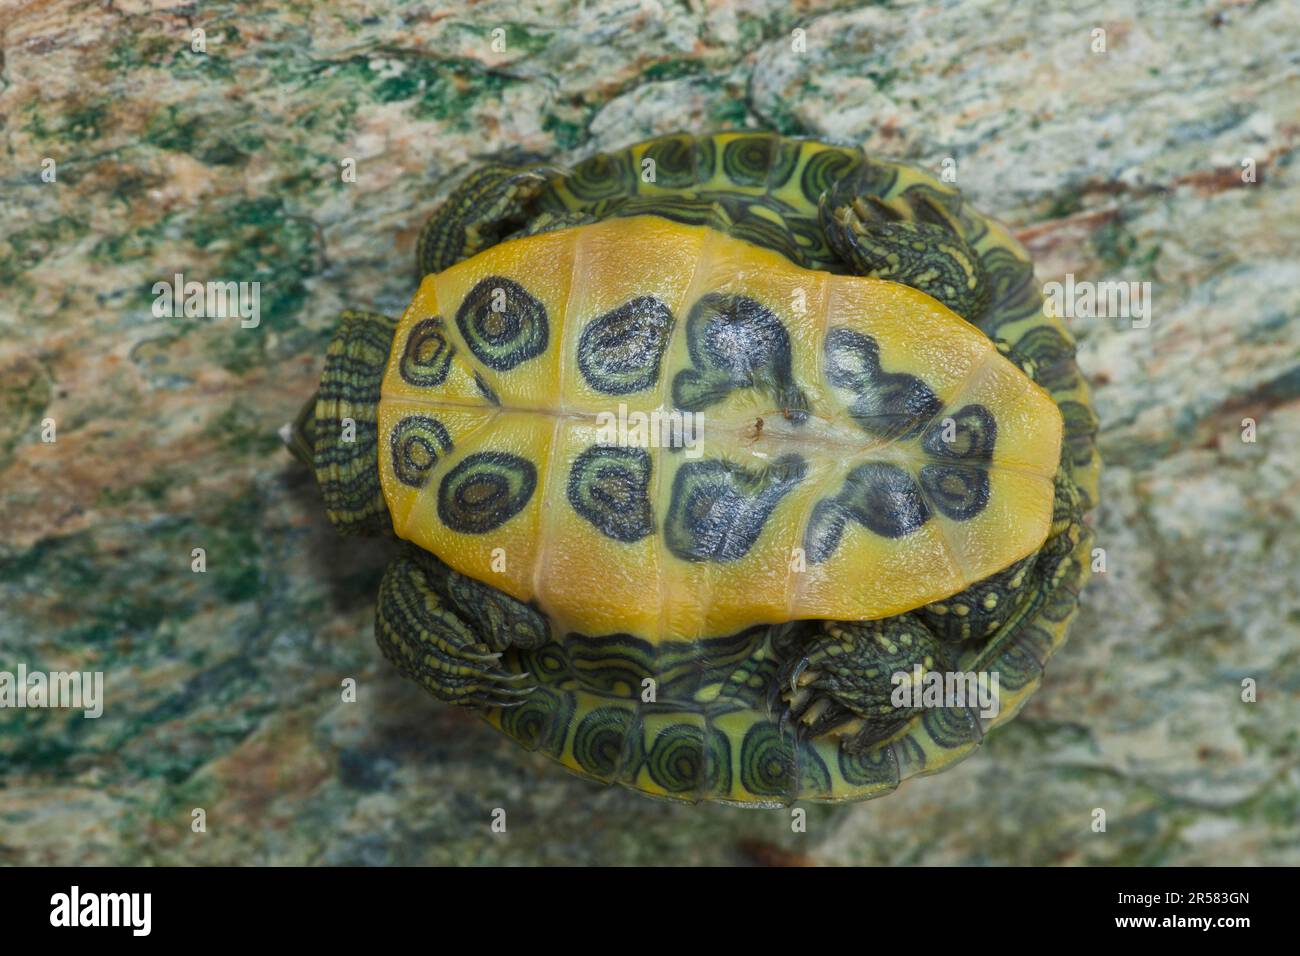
(337, 432)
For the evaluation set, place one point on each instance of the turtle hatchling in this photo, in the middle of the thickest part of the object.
(735, 467)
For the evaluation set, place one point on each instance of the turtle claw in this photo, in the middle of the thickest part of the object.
(773, 699)
(795, 674)
(506, 705)
(500, 686)
(507, 697)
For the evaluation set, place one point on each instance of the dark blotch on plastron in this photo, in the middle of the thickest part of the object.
(502, 339)
(958, 492)
(736, 342)
(416, 443)
(610, 488)
(738, 335)
(892, 405)
(426, 359)
(718, 508)
(485, 491)
(881, 497)
(974, 434)
(619, 352)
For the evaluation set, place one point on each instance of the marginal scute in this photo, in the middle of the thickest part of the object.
(601, 741)
(684, 758)
(824, 169)
(672, 160)
(767, 762)
(760, 160)
(1049, 358)
(603, 176)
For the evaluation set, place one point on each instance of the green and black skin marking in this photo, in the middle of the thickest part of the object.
(347, 406)
(844, 673)
(916, 244)
(775, 713)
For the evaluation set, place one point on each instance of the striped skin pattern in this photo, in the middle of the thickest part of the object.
(722, 727)
(347, 400)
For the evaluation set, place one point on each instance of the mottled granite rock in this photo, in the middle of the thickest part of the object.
(224, 688)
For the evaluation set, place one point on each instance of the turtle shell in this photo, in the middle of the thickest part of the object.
(864, 452)
(657, 429)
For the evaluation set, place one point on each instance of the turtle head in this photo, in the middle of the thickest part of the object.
(337, 432)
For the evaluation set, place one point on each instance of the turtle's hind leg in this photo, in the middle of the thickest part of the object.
(842, 679)
(421, 628)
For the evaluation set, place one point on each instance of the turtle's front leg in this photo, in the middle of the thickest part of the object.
(488, 205)
(437, 644)
(841, 679)
(876, 239)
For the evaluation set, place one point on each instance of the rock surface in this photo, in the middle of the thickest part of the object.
(223, 688)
